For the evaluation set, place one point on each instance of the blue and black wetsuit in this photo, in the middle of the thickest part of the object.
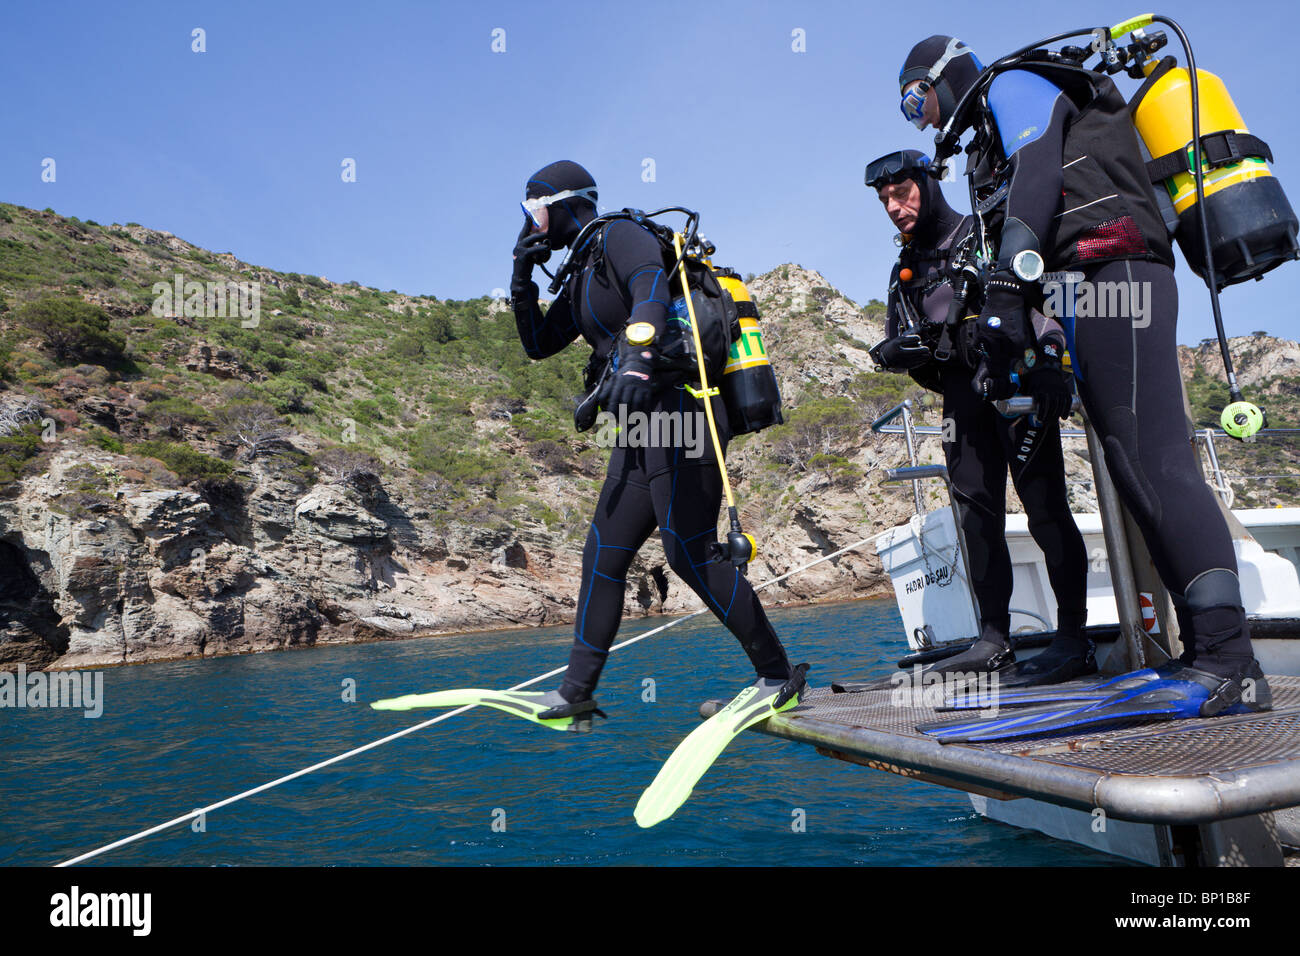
(1079, 199)
(985, 444)
(649, 487)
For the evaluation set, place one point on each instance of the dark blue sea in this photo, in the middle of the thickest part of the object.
(174, 737)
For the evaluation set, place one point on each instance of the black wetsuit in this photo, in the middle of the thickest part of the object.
(1126, 364)
(623, 281)
(985, 444)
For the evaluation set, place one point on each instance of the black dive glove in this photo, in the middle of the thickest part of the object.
(1048, 383)
(530, 249)
(631, 384)
(991, 385)
(901, 352)
(1004, 334)
(1002, 339)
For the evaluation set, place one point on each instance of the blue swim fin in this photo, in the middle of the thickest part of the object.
(1177, 693)
(1081, 691)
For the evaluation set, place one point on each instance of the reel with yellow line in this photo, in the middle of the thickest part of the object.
(1242, 419)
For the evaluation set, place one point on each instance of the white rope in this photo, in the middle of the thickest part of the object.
(428, 723)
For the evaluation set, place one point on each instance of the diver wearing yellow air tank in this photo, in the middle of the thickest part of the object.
(1059, 175)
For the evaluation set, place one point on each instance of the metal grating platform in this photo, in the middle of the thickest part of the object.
(1178, 772)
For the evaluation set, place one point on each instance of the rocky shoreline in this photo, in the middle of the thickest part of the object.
(140, 574)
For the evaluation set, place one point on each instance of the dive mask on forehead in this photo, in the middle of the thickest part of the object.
(894, 167)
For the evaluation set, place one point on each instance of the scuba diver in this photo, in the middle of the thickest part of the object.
(983, 444)
(617, 298)
(1059, 183)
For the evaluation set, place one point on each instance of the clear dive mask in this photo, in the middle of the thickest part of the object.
(913, 104)
(535, 208)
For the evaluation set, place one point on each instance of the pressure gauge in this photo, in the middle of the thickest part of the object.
(1027, 265)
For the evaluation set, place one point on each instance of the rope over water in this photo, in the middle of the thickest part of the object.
(202, 811)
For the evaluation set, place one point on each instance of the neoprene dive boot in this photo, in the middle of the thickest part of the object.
(1070, 654)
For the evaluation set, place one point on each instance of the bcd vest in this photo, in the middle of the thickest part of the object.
(1108, 207)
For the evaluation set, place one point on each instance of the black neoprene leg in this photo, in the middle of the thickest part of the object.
(624, 519)
(1130, 383)
(686, 502)
(1038, 472)
(977, 468)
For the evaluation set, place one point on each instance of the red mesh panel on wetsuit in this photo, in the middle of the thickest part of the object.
(1112, 239)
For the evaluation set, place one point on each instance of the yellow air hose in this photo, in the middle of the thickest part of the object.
(741, 547)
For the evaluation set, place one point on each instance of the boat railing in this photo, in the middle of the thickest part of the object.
(1219, 480)
(908, 430)
(1204, 437)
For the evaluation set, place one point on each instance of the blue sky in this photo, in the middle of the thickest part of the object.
(239, 148)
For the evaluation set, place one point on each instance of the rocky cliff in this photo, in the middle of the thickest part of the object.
(366, 466)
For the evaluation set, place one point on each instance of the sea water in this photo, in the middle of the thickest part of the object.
(481, 788)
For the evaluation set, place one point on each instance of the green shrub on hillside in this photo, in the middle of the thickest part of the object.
(105, 439)
(288, 395)
(171, 413)
(73, 330)
(439, 327)
(286, 326)
(446, 447)
(408, 347)
(188, 464)
(17, 450)
(366, 411)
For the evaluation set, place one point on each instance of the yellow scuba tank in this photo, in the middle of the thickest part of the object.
(1252, 226)
(749, 387)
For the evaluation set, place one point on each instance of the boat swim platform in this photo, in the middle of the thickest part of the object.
(1182, 772)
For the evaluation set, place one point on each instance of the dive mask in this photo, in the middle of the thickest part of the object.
(894, 167)
(532, 206)
(913, 105)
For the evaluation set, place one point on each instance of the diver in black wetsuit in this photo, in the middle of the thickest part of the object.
(619, 283)
(1057, 162)
(981, 444)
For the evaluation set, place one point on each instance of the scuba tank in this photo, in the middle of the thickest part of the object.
(749, 388)
(1252, 226)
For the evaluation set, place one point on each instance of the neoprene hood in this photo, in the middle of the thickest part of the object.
(556, 178)
(957, 76)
